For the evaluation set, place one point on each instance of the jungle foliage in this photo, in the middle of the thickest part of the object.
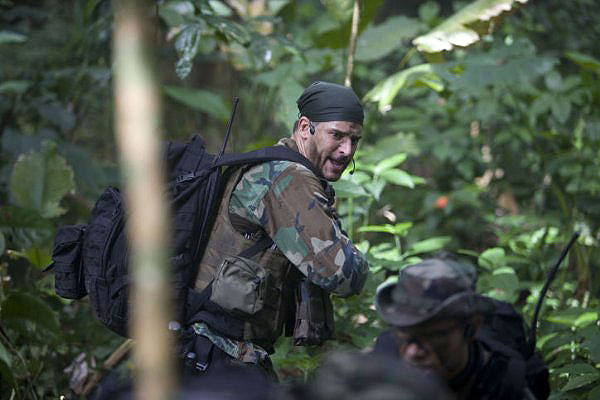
(487, 151)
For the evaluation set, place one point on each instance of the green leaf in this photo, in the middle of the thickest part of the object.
(579, 381)
(492, 258)
(7, 374)
(456, 31)
(39, 257)
(585, 61)
(398, 177)
(429, 245)
(6, 366)
(22, 306)
(40, 180)
(586, 318)
(187, 45)
(566, 317)
(14, 87)
(385, 91)
(389, 162)
(377, 41)
(578, 368)
(11, 37)
(591, 341)
(232, 30)
(345, 188)
(561, 108)
(398, 229)
(202, 100)
(5, 355)
(24, 227)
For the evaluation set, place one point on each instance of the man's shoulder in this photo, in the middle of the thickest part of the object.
(266, 173)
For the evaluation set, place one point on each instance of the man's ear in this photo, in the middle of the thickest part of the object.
(304, 127)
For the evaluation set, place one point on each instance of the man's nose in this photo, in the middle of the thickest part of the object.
(414, 350)
(346, 146)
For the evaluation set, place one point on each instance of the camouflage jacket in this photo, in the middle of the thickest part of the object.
(287, 201)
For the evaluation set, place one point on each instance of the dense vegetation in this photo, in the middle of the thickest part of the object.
(487, 151)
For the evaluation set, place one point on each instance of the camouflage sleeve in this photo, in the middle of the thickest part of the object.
(287, 200)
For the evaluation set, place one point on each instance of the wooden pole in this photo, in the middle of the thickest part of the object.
(352, 45)
(137, 118)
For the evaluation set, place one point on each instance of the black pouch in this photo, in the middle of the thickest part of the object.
(66, 256)
(314, 315)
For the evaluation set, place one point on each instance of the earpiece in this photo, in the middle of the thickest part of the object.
(311, 128)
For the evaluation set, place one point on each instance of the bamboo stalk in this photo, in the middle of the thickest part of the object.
(137, 120)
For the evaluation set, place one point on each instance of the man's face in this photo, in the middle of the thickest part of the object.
(435, 347)
(332, 146)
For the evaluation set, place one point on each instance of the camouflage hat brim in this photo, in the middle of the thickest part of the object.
(460, 304)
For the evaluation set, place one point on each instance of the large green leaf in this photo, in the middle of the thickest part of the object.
(457, 30)
(429, 245)
(389, 162)
(24, 227)
(202, 100)
(385, 91)
(401, 178)
(492, 258)
(345, 188)
(187, 45)
(40, 180)
(23, 306)
(379, 40)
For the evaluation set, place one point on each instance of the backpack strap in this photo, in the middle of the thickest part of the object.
(272, 153)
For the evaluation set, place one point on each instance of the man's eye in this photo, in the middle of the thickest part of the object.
(355, 141)
(337, 135)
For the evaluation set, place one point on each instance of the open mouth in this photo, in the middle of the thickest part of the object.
(338, 164)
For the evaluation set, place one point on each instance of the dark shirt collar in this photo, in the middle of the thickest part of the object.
(474, 364)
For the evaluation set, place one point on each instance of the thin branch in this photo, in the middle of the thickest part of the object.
(110, 362)
(352, 45)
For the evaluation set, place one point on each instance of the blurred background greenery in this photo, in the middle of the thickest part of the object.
(481, 138)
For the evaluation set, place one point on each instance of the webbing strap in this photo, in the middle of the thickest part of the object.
(263, 243)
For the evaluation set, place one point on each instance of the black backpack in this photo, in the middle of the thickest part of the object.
(504, 331)
(92, 258)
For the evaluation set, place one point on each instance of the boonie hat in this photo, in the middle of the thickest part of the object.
(431, 289)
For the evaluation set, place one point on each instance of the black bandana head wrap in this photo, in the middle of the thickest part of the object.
(324, 101)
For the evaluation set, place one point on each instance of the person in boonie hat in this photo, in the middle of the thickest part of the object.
(435, 315)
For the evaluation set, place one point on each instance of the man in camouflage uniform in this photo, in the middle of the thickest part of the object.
(436, 315)
(248, 294)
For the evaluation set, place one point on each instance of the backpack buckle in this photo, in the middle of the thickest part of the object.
(186, 177)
